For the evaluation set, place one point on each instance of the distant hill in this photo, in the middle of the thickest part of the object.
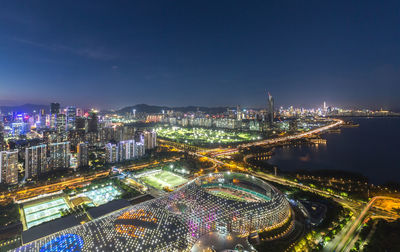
(26, 108)
(158, 109)
(29, 108)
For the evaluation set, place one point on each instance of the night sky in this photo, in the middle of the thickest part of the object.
(110, 54)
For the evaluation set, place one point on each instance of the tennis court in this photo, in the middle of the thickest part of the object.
(44, 211)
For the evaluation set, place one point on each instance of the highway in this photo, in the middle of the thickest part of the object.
(71, 182)
(337, 122)
(358, 221)
(219, 152)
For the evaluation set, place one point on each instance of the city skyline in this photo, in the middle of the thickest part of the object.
(113, 55)
(199, 126)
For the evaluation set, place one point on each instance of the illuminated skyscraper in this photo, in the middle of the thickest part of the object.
(111, 153)
(126, 150)
(139, 149)
(42, 117)
(79, 112)
(59, 155)
(9, 167)
(71, 116)
(36, 161)
(60, 123)
(238, 113)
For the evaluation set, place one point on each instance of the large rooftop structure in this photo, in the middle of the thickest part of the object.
(221, 202)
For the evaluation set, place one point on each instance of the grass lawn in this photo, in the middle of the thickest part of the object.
(163, 179)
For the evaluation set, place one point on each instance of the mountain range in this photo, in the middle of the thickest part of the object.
(30, 108)
(158, 109)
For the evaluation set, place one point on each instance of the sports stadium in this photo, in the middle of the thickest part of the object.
(230, 203)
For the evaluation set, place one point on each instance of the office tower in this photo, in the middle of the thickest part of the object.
(9, 167)
(93, 122)
(60, 123)
(71, 116)
(42, 118)
(54, 108)
(79, 112)
(325, 108)
(126, 150)
(20, 128)
(82, 154)
(36, 161)
(238, 113)
(54, 112)
(111, 153)
(150, 139)
(270, 109)
(58, 155)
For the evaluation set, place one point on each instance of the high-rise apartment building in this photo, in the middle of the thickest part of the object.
(111, 153)
(82, 154)
(139, 149)
(126, 150)
(61, 123)
(59, 155)
(36, 161)
(9, 167)
(150, 139)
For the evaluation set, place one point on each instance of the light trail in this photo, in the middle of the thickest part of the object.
(357, 222)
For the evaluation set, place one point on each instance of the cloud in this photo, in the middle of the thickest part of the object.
(97, 53)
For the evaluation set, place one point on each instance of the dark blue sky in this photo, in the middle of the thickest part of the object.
(117, 53)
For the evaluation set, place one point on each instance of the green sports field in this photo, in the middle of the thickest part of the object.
(163, 179)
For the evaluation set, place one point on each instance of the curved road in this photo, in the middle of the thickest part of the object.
(345, 240)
